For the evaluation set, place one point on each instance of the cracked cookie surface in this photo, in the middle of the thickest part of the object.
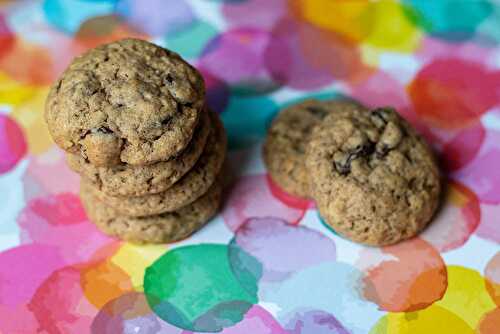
(162, 228)
(374, 179)
(189, 188)
(129, 180)
(286, 142)
(128, 101)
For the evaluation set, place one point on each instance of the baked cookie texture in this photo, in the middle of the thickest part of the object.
(162, 228)
(185, 191)
(374, 179)
(285, 146)
(130, 180)
(129, 101)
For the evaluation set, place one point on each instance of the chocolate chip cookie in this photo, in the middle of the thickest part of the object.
(162, 228)
(129, 101)
(286, 141)
(189, 188)
(374, 179)
(129, 180)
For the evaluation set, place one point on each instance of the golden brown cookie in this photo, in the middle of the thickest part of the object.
(286, 141)
(189, 188)
(162, 228)
(128, 180)
(129, 101)
(374, 179)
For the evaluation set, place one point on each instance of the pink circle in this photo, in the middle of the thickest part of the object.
(60, 221)
(23, 269)
(457, 219)
(12, 143)
(489, 228)
(251, 197)
(265, 13)
(287, 198)
(237, 57)
(60, 305)
(482, 173)
(48, 173)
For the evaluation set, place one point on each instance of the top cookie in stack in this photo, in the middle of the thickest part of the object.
(132, 117)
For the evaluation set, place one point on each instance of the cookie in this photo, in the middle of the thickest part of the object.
(189, 188)
(286, 141)
(128, 101)
(162, 228)
(129, 180)
(374, 179)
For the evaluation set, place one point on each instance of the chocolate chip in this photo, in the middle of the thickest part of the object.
(343, 160)
(166, 121)
(168, 79)
(104, 129)
(318, 112)
(379, 117)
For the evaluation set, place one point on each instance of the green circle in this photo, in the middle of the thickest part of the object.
(193, 288)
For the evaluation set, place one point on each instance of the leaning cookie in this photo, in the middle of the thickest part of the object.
(286, 141)
(162, 228)
(374, 179)
(129, 101)
(189, 188)
(128, 180)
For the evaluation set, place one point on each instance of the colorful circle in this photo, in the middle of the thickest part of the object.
(452, 93)
(168, 16)
(237, 57)
(193, 287)
(250, 197)
(12, 143)
(405, 277)
(257, 240)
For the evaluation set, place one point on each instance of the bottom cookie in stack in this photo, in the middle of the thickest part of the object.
(161, 228)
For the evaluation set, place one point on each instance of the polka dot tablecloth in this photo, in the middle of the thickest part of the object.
(266, 264)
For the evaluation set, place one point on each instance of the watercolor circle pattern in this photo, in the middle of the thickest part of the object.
(314, 321)
(456, 221)
(492, 276)
(274, 245)
(129, 313)
(452, 93)
(332, 286)
(251, 198)
(68, 15)
(237, 57)
(202, 273)
(405, 277)
(12, 143)
(445, 19)
(169, 16)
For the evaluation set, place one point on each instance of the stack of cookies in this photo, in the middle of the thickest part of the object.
(374, 179)
(132, 117)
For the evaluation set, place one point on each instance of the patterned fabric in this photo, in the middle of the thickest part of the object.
(266, 264)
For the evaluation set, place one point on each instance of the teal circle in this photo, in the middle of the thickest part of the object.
(453, 20)
(190, 42)
(194, 288)
(68, 15)
(245, 119)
